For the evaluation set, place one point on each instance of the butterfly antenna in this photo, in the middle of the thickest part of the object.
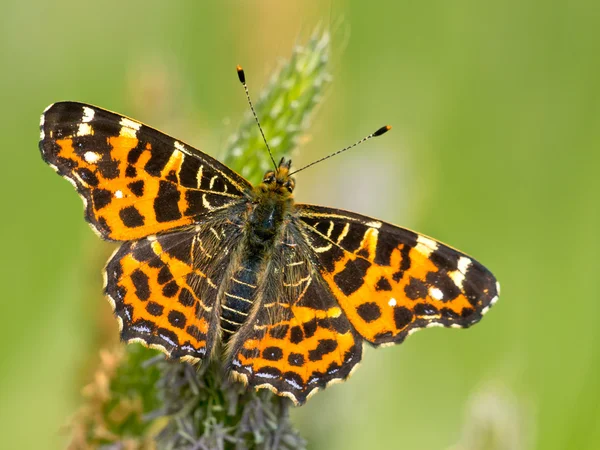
(242, 78)
(379, 132)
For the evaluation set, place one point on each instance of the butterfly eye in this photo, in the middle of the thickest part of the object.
(269, 178)
(289, 185)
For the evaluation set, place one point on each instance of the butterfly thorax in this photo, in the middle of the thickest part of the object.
(272, 201)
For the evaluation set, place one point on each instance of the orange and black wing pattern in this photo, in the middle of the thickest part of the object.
(193, 269)
(134, 180)
(298, 340)
(390, 281)
(163, 288)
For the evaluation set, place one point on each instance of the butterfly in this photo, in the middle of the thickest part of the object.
(291, 290)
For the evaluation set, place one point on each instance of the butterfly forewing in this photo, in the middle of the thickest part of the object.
(391, 281)
(134, 180)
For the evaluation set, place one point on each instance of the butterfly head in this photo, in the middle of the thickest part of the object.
(279, 180)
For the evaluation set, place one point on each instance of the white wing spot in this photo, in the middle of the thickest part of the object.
(373, 224)
(84, 129)
(125, 122)
(119, 194)
(425, 245)
(436, 293)
(91, 157)
(128, 132)
(458, 277)
(293, 383)
(129, 128)
(179, 146)
(265, 375)
(42, 119)
(392, 302)
(141, 329)
(88, 114)
(168, 339)
(463, 264)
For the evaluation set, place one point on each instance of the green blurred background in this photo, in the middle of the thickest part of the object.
(495, 150)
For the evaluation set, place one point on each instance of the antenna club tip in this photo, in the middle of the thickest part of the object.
(382, 130)
(241, 74)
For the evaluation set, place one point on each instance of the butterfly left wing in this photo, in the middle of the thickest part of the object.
(164, 288)
(134, 180)
(390, 281)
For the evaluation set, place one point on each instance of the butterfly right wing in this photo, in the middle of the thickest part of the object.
(134, 180)
(163, 288)
(391, 281)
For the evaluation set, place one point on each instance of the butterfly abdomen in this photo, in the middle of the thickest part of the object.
(239, 296)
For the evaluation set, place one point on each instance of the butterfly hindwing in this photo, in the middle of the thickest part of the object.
(134, 180)
(163, 288)
(391, 281)
(299, 339)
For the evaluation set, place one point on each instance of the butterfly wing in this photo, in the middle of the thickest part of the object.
(134, 180)
(390, 281)
(163, 288)
(298, 339)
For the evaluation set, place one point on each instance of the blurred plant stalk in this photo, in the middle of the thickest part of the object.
(139, 400)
